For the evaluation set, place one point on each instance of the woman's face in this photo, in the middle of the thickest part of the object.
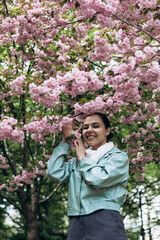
(94, 131)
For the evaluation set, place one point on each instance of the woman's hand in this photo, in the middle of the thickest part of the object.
(80, 150)
(68, 131)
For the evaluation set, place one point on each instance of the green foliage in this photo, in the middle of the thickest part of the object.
(132, 235)
(52, 213)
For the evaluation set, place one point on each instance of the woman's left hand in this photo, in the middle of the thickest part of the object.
(80, 150)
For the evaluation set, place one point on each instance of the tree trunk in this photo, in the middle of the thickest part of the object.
(32, 222)
(149, 224)
(32, 228)
(29, 209)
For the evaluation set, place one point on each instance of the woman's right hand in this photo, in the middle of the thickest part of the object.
(68, 131)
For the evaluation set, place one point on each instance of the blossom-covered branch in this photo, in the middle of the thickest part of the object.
(137, 27)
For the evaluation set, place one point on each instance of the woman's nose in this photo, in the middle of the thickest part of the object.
(89, 129)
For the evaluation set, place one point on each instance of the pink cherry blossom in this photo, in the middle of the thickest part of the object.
(17, 85)
(41, 164)
(8, 129)
(3, 164)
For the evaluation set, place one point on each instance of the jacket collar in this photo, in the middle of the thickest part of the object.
(113, 150)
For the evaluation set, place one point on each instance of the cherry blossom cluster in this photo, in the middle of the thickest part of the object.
(17, 85)
(3, 164)
(93, 106)
(139, 165)
(151, 76)
(134, 10)
(99, 7)
(78, 82)
(43, 127)
(26, 177)
(46, 94)
(74, 82)
(4, 95)
(103, 104)
(138, 143)
(8, 129)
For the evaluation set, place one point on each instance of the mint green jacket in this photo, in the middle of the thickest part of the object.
(92, 186)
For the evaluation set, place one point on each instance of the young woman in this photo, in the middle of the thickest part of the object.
(97, 181)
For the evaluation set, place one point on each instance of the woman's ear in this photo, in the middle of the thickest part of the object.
(108, 130)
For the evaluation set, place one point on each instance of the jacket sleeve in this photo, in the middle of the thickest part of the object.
(108, 172)
(57, 169)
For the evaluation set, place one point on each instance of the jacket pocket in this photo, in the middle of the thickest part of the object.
(107, 195)
(95, 200)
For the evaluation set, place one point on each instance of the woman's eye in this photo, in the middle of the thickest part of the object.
(96, 126)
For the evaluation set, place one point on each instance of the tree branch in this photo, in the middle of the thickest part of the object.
(13, 219)
(146, 187)
(30, 67)
(114, 15)
(13, 167)
(52, 193)
(60, 25)
(143, 45)
(5, 5)
(94, 64)
(11, 202)
(29, 148)
(7, 99)
(16, 57)
(67, 100)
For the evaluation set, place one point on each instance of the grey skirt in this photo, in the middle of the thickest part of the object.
(100, 225)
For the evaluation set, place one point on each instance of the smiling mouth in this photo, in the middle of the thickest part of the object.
(91, 137)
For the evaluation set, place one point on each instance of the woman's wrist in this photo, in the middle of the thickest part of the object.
(64, 139)
(81, 157)
(68, 138)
